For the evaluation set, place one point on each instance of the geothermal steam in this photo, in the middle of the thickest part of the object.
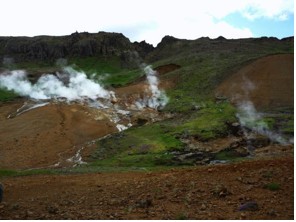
(50, 86)
(249, 117)
(73, 85)
(158, 98)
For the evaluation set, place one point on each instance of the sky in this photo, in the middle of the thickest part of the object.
(149, 20)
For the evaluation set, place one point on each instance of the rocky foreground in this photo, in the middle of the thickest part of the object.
(257, 189)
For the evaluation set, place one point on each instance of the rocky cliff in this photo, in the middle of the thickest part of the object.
(51, 48)
(104, 45)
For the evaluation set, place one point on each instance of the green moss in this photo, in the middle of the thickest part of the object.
(210, 121)
(147, 145)
(6, 95)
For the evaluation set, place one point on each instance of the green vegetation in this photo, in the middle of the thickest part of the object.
(6, 95)
(8, 173)
(152, 145)
(272, 186)
(96, 65)
(210, 121)
(144, 146)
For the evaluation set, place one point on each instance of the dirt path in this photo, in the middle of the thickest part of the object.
(211, 192)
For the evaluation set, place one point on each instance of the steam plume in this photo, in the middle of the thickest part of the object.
(158, 98)
(249, 117)
(50, 86)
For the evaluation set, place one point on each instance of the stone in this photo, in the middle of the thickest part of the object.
(243, 216)
(144, 203)
(249, 206)
(203, 207)
(52, 209)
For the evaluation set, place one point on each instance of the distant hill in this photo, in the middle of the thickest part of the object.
(104, 45)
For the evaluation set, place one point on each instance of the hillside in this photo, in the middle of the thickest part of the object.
(88, 105)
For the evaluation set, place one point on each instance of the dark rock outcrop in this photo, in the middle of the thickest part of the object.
(50, 48)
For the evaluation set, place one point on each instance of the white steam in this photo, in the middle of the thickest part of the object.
(157, 98)
(50, 86)
(250, 118)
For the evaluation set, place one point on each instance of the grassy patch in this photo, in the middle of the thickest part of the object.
(6, 95)
(96, 65)
(108, 71)
(9, 173)
(142, 146)
(122, 78)
(210, 121)
(272, 186)
(136, 160)
(33, 67)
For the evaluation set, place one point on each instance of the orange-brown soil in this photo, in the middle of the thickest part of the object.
(268, 83)
(208, 192)
(47, 135)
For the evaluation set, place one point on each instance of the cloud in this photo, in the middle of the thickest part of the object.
(275, 9)
(148, 21)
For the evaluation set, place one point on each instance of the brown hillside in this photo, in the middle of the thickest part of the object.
(267, 82)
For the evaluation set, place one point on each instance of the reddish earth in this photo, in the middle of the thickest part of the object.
(209, 192)
(51, 134)
(47, 135)
(268, 82)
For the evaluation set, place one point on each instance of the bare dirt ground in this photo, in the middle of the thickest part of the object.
(268, 82)
(209, 192)
(47, 135)
(42, 136)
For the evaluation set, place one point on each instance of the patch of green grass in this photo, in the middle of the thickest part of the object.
(272, 186)
(154, 138)
(36, 66)
(9, 173)
(122, 78)
(96, 65)
(108, 71)
(210, 121)
(136, 160)
(6, 95)
(142, 146)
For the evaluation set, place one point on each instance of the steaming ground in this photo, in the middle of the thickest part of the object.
(59, 132)
(259, 88)
(64, 114)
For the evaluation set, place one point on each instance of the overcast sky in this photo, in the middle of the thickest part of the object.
(149, 20)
